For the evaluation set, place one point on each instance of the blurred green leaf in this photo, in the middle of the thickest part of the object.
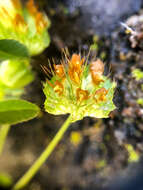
(12, 49)
(16, 111)
(137, 74)
(5, 180)
(140, 101)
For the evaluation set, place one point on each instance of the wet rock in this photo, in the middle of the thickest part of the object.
(102, 16)
(136, 36)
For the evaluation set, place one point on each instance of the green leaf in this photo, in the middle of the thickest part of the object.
(137, 74)
(140, 101)
(12, 49)
(5, 180)
(16, 111)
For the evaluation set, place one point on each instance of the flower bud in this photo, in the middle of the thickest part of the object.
(15, 74)
(27, 25)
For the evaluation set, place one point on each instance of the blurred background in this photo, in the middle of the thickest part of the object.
(95, 154)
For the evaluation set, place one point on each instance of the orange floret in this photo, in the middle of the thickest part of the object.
(5, 12)
(19, 21)
(59, 70)
(31, 7)
(58, 88)
(76, 62)
(40, 22)
(97, 66)
(82, 94)
(96, 78)
(101, 94)
(16, 4)
(75, 68)
(97, 69)
(74, 76)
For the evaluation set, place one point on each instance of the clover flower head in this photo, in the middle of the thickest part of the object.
(25, 24)
(79, 88)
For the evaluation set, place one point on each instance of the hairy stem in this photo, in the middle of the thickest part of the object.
(3, 134)
(46, 153)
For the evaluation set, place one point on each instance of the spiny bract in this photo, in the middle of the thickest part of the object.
(79, 88)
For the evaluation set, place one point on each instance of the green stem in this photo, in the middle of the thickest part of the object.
(38, 163)
(3, 134)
